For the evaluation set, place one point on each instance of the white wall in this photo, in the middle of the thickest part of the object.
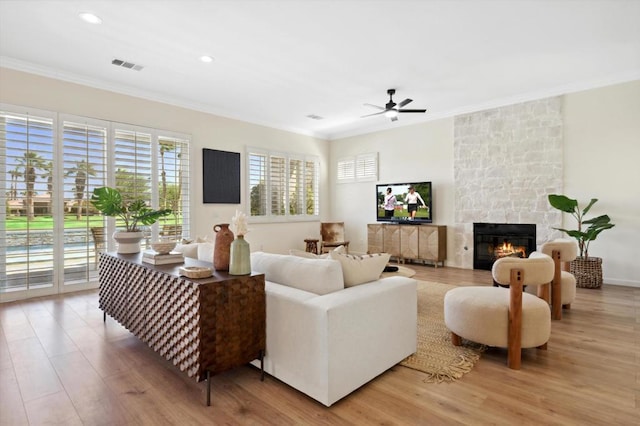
(601, 144)
(421, 152)
(206, 130)
(602, 160)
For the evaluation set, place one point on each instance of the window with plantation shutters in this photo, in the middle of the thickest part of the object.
(173, 188)
(277, 185)
(311, 175)
(26, 176)
(257, 177)
(132, 165)
(296, 186)
(282, 186)
(367, 167)
(346, 170)
(50, 234)
(84, 168)
(361, 168)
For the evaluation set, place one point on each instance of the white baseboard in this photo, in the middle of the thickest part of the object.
(625, 283)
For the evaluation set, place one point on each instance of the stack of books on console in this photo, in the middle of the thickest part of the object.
(154, 258)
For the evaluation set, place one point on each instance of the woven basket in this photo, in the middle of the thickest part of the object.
(588, 272)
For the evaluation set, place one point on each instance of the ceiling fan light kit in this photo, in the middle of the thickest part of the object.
(391, 109)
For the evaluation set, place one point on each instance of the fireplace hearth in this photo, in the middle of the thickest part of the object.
(491, 241)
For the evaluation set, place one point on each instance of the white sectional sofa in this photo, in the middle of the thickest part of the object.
(327, 340)
(327, 335)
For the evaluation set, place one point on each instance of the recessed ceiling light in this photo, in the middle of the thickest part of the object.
(90, 18)
(206, 59)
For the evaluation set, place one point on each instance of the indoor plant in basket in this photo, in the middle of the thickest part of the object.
(587, 270)
(109, 202)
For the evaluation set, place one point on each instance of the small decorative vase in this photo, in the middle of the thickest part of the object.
(240, 257)
(222, 249)
(128, 242)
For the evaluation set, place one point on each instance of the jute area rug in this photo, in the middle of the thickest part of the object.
(436, 356)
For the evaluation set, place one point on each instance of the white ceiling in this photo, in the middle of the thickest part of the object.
(278, 61)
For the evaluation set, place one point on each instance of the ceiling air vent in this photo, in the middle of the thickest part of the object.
(125, 64)
(315, 117)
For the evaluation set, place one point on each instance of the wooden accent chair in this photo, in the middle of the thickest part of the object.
(504, 317)
(173, 232)
(563, 287)
(99, 241)
(332, 236)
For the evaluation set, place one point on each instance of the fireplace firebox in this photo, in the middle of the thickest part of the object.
(491, 241)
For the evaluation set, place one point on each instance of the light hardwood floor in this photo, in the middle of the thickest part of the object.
(60, 364)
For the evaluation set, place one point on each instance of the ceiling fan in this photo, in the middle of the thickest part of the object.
(391, 109)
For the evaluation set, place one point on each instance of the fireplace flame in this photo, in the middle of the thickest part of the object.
(507, 249)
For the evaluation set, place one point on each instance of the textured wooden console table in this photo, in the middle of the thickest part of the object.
(203, 326)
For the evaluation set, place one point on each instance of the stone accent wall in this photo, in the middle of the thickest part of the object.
(506, 161)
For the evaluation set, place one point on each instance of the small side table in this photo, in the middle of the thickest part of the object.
(312, 245)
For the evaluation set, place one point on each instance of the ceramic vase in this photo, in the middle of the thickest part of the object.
(240, 263)
(128, 242)
(222, 249)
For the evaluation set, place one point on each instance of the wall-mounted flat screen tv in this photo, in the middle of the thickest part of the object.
(396, 202)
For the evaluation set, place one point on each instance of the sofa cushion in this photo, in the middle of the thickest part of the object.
(200, 251)
(361, 269)
(206, 239)
(188, 250)
(319, 276)
(205, 252)
(309, 255)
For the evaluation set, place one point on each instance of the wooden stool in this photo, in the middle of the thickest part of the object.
(312, 245)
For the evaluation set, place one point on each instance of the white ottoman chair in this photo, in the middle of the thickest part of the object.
(501, 317)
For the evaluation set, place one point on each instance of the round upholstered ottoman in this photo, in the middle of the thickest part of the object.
(481, 314)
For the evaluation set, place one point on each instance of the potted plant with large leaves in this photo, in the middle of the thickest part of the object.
(135, 213)
(587, 270)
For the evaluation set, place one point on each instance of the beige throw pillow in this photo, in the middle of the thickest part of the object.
(361, 269)
(309, 255)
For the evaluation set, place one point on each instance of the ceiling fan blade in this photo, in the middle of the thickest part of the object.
(392, 108)
(375, 113)
(412, 110)
(374, 106)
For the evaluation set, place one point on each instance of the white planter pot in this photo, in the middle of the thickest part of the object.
(128, 242)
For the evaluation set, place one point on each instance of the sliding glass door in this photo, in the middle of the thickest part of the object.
(26, 189)
(83, 161)
(50, 234)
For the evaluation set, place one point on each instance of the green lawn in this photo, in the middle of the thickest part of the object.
(19, 223)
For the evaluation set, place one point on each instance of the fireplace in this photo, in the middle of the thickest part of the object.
(491, 241)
